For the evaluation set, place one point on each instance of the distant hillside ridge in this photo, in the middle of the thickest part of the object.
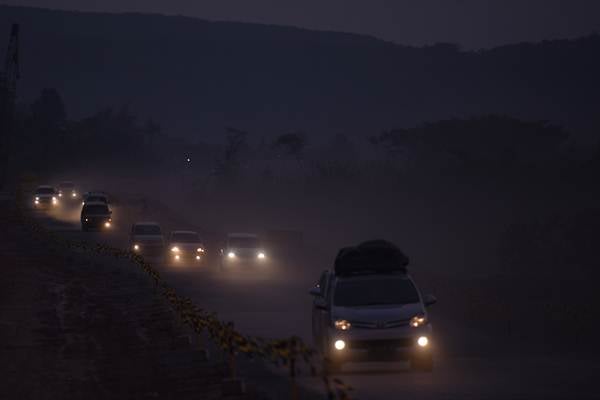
(196, 76)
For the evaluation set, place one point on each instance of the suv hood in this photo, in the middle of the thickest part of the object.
(373, 314)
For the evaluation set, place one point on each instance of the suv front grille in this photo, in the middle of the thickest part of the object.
(380, 324)
(382, 344)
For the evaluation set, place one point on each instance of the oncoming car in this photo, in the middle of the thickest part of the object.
(45, 197)
(242, 248)
(369, 309)
(95, 216)
(67, 190)
(185, 246)
(146, 238)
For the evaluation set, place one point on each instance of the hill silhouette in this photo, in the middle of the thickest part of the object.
(195, 76)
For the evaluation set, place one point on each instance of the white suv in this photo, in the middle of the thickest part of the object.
(369, 309)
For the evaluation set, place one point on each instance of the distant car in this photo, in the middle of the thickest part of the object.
(96, 216)
(45, 197)
(185, 246)
(67, 190)
(369, 309)
(146, 238)
(242, 248)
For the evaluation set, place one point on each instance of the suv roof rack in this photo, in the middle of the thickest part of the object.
(370, 257)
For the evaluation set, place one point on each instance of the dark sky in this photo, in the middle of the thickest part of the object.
(471, 23)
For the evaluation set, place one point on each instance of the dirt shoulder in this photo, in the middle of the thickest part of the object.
(74, 326)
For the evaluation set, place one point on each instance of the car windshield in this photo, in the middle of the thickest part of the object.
(185, 237)
(95, 209)
(244, 242)
(44, 191)
(147, 230)
(384, 290)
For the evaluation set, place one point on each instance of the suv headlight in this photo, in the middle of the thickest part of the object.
(418, 320)
(342, 325)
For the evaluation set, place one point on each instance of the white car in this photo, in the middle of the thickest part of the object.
(369, 309)
(45, 197)
(146, 238)
(185, 246)
(242, 248)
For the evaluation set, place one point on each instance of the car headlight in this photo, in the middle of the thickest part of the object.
(107, 224)
(175, 249)
(339, 345)
(54, 200)
(60, 195)
(74, 194)
(136, 247)
(418, 320)
(261, 255)
(200, 250)
(37, 198)
(423, 341)
(231, 254)
(342, 325)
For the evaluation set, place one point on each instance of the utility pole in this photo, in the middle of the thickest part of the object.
(8, 94)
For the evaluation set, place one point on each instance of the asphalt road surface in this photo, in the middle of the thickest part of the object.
(273, 301)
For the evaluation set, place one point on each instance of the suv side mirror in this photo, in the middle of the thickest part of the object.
(316, 291)
(429, 300)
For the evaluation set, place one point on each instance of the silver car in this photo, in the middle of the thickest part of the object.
(185, 247)
(369, 309)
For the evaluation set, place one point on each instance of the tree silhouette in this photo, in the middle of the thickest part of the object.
(290, 145)
(235, 143)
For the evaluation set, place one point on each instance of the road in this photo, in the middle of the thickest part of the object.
(273, 302)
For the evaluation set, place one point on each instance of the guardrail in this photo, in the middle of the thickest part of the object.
(281, 352)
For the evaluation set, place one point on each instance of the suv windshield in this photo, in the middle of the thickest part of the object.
(95, 209)
(383, 290)
(146, 230)
(44, 191)
(187, 237)
(244, 242)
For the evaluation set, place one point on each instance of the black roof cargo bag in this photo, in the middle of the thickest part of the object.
(373, 256)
